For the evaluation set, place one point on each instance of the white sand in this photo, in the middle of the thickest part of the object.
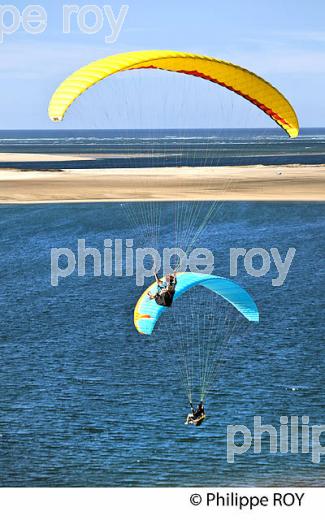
(258, 183)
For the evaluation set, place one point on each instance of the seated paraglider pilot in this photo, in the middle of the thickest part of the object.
(165, 290)
(196, 414)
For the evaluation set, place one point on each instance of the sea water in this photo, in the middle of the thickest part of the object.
(86, 401)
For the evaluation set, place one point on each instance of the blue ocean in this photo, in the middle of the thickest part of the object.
(166, 147)
(86, 401)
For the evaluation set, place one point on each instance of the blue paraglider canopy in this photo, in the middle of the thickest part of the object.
(147, 312)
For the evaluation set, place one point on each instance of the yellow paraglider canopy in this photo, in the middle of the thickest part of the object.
(233, 77)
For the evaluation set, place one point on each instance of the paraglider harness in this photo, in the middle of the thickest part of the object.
(165, 293)
(197, 416)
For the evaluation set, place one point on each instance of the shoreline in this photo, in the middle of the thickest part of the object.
(304, 183)
(9, 157)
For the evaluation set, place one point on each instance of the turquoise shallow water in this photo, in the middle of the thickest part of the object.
(86, 401)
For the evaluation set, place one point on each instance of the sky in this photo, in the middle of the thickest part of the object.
(283, 41)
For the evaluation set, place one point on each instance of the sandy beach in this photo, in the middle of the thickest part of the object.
(40, 157)
(256, 183)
